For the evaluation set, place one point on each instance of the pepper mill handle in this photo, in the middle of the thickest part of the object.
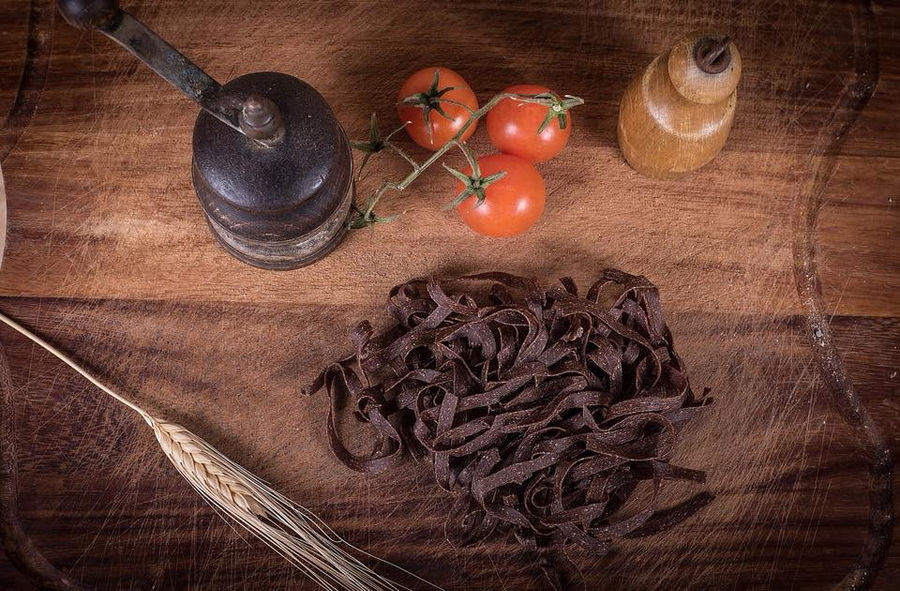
(88, 14)
(256, 117)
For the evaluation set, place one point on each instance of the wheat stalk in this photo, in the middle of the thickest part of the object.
(286, 527)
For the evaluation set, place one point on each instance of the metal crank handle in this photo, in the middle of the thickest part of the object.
(256, 117)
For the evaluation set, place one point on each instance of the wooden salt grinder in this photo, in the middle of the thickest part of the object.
(676, 115)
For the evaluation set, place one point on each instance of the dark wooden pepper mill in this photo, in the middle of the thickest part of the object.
(272, 166)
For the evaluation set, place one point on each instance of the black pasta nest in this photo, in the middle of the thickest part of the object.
(540, 410)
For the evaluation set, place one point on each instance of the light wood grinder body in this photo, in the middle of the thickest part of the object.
(676, 115)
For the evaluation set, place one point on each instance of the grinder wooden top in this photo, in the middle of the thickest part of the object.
(692, 82)
(108, 256)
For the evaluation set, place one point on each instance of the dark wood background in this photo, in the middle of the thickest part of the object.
(108, 256)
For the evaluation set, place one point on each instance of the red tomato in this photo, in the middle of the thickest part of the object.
(442, 128)
(512, 204)
(513, 126)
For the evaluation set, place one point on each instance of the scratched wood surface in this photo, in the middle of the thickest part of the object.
(108, 257)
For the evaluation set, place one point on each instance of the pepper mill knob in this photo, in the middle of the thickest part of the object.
(676, 115)
(88, 14)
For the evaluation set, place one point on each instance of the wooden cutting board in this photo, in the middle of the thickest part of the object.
(108, 256)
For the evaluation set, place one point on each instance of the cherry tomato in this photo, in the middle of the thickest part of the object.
(427, 89)
(512, 203)
(513, 126)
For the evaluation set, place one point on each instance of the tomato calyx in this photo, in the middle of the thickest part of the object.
(365, 217)
(376, 142)
(431, 100)
(557, 107)
(474, 184)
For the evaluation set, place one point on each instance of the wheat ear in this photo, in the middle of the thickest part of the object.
(289, 529)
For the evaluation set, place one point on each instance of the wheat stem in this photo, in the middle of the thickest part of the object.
(68, 361)
(295, 533)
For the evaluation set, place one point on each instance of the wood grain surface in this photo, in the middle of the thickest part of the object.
(108, 257)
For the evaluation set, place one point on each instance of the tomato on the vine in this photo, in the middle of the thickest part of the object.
(437, 102)
(512, 203)
(513, 126)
